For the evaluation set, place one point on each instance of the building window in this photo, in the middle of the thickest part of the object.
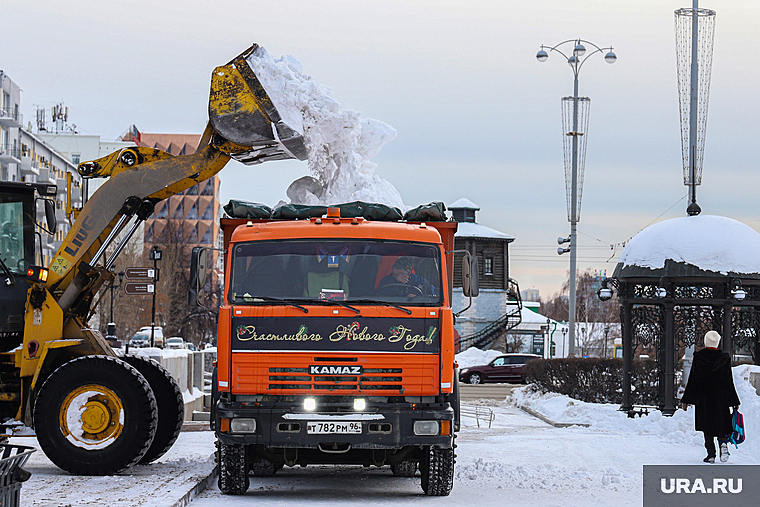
(75, 157)
(209, 188)
(488, 266)
(179, 213)
(193, 213)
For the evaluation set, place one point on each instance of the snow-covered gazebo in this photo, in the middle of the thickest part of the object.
(678, 279)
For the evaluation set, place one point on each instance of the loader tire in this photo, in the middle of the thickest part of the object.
(95, 415)
(171, 405)
(437, 471)
(233, 469)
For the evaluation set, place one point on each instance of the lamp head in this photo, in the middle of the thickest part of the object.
(610, 57)
(542, 55)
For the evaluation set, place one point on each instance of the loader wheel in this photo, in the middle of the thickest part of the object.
(171, 405)
(95, 415)
(404, 469)
(437, 471)
(233, 469)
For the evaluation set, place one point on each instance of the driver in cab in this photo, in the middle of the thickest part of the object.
(403, 283)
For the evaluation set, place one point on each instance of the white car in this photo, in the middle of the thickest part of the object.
(175, 342)
(142, 337)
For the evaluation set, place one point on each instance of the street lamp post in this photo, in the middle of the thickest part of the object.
(579, 112)
(111, 328)
(155, 256)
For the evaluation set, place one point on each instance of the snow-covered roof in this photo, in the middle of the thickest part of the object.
(709, 243)
(463, 204)
(473, 230)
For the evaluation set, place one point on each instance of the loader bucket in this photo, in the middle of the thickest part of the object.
(241, 111)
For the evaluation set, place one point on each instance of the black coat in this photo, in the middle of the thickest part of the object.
(711, 390)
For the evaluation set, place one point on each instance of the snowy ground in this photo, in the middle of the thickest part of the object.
(519, 461)
(158, 484)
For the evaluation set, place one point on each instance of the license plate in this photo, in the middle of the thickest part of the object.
(326, 427)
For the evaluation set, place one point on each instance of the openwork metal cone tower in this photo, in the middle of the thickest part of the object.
(695, 30)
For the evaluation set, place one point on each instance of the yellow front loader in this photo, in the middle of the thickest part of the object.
(95, 413)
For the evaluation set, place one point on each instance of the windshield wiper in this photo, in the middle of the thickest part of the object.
(9, 278)
(335, 302)
(254, 299)
(384, 303)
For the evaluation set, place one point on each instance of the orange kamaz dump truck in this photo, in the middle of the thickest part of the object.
(336, 344)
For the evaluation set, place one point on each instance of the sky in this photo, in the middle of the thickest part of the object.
(477, 116)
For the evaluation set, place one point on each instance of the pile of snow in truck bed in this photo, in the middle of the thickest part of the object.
(340, 142)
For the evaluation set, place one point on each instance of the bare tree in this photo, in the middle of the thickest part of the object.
(592, 314)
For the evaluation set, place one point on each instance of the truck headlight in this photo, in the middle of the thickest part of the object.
(243, 425)
(360, 404)
(426, 428)
(309, 404)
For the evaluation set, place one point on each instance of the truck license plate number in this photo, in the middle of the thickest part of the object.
(325, 427)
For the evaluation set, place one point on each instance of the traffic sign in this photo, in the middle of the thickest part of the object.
(139, 288)
(136, 273)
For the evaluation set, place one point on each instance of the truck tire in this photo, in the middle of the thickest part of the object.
(171, 405)
(437, 471)
(95, 415)
(233, 469)
(404, 469)
(264, 468)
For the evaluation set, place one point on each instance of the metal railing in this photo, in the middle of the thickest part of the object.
(510, 320)
(480, 414)
(8, 149)
(14, 115)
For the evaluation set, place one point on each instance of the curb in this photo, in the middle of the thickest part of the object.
(541, 416)
(202, 481)
(202, 484)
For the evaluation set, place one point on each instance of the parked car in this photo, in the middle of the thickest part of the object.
(142, 337)
(505, 368)
(175, 342)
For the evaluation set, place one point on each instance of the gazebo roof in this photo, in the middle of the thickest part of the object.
(695, 246)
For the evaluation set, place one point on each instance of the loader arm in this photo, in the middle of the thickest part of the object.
(58, 307)
(243, 124)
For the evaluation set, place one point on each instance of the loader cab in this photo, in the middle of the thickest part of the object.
(18, 214)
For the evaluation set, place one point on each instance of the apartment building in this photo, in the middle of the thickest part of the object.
(24, 156)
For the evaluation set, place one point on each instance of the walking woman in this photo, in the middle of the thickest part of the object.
(711, 390)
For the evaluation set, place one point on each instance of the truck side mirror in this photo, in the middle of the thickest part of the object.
(470, 283)
(198, 271)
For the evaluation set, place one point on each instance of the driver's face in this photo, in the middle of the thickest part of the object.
(401, 275)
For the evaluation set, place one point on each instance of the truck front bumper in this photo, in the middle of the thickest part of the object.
(286, 425)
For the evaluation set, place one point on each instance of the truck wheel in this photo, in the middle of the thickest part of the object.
(95, 415)
(263, 468)
(474, 378)
(171, 405)
(233, 470)
(404, 469)
(437, 471)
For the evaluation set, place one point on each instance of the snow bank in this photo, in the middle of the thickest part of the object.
(474, 357)
(339, 142)
(678, 429)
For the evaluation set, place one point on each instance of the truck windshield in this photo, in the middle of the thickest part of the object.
(350, 270)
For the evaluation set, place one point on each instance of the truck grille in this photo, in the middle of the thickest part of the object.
(372, 379)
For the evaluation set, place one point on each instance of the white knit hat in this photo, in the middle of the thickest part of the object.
(712, 339)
